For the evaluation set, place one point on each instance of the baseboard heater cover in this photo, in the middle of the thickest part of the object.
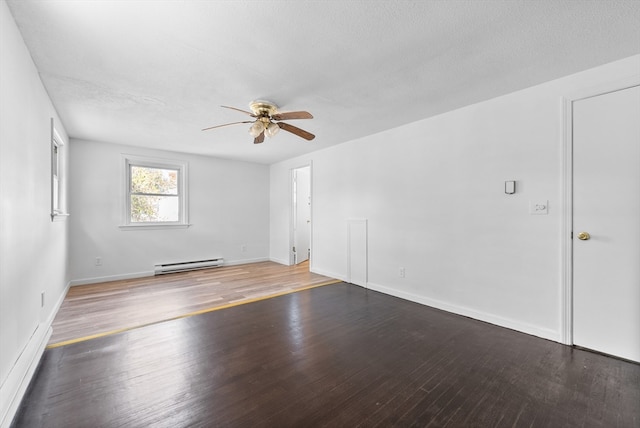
(161, 269)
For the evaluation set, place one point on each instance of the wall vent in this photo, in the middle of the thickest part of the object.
(161, 269)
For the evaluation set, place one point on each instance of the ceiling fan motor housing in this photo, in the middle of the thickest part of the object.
(263, 109)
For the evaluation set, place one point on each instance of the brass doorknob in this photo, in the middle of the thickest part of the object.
(584, 236)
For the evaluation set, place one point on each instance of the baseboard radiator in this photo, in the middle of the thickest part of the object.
(161, 269)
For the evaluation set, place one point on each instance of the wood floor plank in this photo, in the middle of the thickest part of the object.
(332, 356)
(95, 309)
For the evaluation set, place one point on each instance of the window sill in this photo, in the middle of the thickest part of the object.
(59, 216)
(154, 226)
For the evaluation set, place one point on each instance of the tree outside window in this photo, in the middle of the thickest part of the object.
(156, 193)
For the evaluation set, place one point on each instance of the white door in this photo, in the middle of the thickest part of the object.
(606, 205)
(301, 214)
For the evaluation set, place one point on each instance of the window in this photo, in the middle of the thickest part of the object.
(156, 193)
(57, 175)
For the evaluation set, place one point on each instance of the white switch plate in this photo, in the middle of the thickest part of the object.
(538, 207)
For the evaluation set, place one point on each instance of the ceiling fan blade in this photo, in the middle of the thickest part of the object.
(292, 115)
(297, 131)
(259, 139)
(227, 124)
(242, 111)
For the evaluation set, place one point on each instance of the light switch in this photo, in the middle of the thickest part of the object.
(538, 207)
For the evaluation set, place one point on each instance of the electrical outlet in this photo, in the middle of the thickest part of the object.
(538, 207)
(401, 272)
(42, 299)
(243, 248)
(98, 261)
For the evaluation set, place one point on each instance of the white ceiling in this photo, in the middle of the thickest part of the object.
(154, 73)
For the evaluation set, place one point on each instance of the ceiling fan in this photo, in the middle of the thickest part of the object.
(267, 121)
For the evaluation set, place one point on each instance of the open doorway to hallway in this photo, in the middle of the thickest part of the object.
(300, 215)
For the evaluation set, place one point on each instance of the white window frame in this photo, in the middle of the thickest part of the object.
(148, 162)
(58, 184)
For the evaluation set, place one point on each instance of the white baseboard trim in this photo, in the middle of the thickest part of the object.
(279, 261)
(245, 261)
(85, 281)
(56, 307)
(471, 313)
(95, 280)
(329, 274)
(17, 382)
(14, 388)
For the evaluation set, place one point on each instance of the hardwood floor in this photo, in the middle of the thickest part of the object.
(337, 356)
(95, 310)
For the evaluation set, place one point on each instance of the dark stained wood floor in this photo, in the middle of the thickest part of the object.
(337, 356)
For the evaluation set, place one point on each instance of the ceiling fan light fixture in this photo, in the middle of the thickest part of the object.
(256, 129)
(272, 129)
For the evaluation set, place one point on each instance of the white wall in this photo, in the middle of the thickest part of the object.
(33, 249)
(228, 208)
(433, 193)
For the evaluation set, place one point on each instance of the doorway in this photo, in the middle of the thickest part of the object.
(300, 215)
(603, 260)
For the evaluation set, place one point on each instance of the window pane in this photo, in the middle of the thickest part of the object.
(56, 160)
(154, 180)
(154, 208)
(56, 194)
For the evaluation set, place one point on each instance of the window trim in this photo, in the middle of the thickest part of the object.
(150, 162)
(58, 179)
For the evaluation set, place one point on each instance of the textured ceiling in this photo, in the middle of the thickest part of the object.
(154, 73)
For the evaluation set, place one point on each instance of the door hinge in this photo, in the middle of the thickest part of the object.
(294, 249)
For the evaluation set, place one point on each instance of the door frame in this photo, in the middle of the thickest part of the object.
(566, 295)
(292, 213)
